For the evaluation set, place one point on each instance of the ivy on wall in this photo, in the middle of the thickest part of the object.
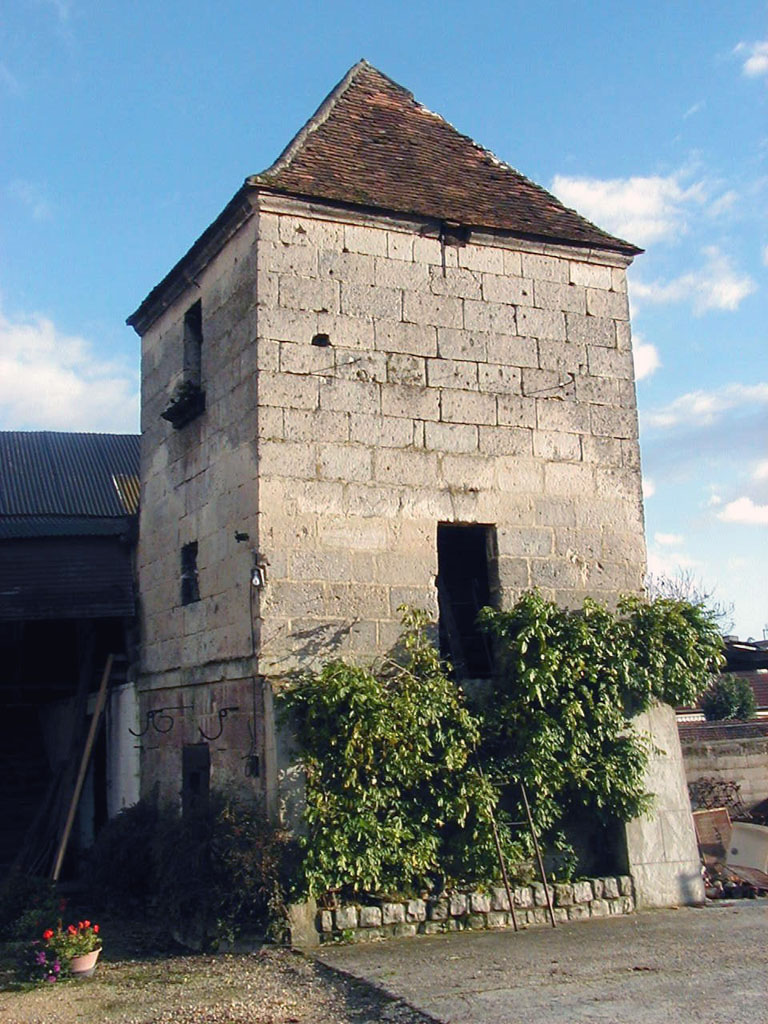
(556, 717)
(403, 776)
(393, 797)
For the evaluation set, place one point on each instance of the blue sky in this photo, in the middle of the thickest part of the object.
(126, 127)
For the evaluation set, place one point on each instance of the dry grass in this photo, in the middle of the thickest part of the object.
(272, 986)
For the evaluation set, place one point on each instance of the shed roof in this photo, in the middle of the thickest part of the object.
(53, 482)
(371, 143)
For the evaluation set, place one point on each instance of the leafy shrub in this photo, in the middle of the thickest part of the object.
(393, 797)
(121, 875)
(730, 697)
(213, 871)
(221, 868)
(557, 715)
(27, 904)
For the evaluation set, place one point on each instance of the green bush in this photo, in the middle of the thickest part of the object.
(121, 870)
(221, 869)
(557, 715)
(27, 905)
(730, 697)
(210, 873)
(393, 797)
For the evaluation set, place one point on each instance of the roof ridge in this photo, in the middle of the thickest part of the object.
(319, 118)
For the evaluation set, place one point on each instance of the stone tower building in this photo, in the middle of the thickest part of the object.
(391, 362)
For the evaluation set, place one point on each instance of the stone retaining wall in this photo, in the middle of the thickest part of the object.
(475, 910)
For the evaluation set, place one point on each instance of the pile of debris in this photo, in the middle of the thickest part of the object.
(733, 843)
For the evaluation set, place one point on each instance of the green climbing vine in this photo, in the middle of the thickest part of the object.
(403, 773)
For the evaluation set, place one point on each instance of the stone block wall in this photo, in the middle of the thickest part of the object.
(476, 910)
(488, 383)
(736, 752)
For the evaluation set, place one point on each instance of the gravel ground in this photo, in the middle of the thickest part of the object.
(272, 986)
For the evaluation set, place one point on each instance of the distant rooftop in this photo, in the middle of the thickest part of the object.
(54, 484)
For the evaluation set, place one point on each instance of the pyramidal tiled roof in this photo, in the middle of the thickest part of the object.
(370, 143)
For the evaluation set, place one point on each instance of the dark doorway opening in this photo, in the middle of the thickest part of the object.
(196, 776)
(467, 580)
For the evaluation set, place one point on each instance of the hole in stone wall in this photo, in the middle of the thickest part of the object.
(196, 776)
(467, 580)
(321, 341)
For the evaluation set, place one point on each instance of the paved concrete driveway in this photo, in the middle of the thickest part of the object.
(693, 966)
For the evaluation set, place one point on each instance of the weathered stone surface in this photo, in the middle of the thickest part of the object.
(599, 908)
(457, 904)
(582, 892)
(479, 902)
(416, 910)
(345, 918)
(578, 912)
(437, 910)
(403, 930)
(499, 900)
(498, 919)
(370, 917)
(392, 913)
(611, 888)
(563, 894)
(477, 922)
(325, 921)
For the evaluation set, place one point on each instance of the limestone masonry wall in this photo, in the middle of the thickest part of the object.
(487, 383)
(476, 910)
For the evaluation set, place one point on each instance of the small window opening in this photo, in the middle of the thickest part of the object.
(190, 589)
(193, 344)
(467, 580)
(321, 340)
(196, 776)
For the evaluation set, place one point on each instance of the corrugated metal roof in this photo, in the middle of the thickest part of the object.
(83, 577)
(20, 527)
(46, 473)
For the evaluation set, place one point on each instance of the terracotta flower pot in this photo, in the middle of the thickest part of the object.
(84, 966)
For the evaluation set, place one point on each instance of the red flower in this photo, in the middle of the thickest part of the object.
(96, 929)
(80, 925)
(86, 924)
(71, 929)
(47, 934)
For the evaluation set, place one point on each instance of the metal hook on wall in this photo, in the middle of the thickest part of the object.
(159, 720)
(223, 712)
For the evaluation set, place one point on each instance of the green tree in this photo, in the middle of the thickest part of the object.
(729, 697)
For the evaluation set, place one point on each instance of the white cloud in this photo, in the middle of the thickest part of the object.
(761, 471)
(646, 358)
(723, 203)
(53, 381)
(701, 408)
(640, 209)
(33, 197)
(694, 109)
(649, 487)
(715, 286)
(755, 57)
(715, 499)
(744, 510)
(765, 255)
(668, 539)
(669, 564)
